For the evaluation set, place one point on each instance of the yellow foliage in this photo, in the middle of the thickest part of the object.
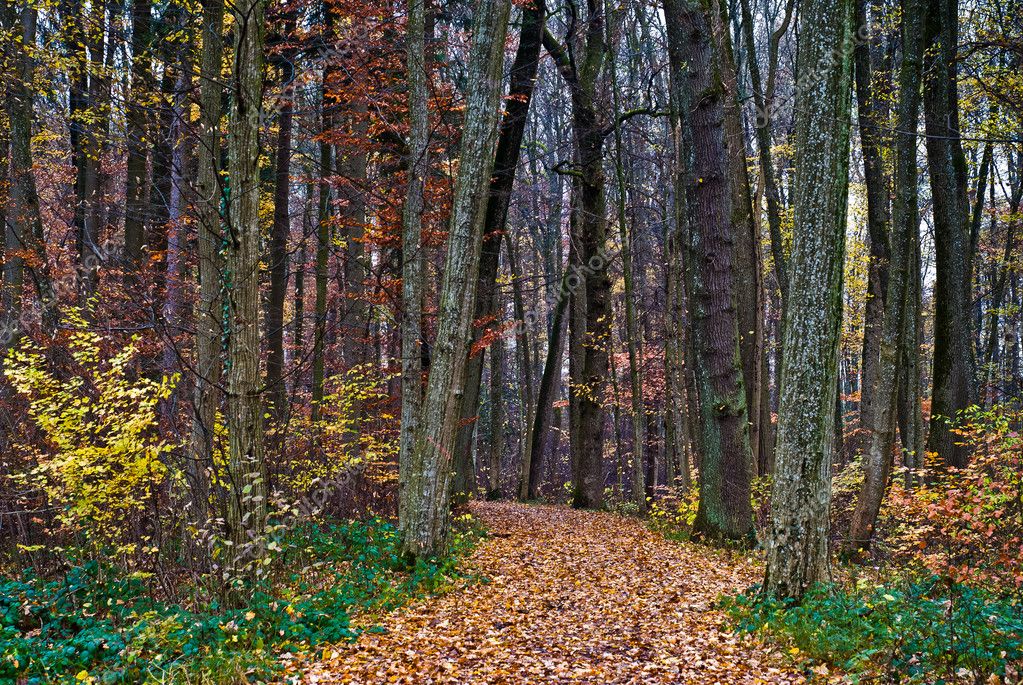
(102, 457)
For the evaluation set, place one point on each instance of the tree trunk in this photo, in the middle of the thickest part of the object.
(536, 439)
(412, 261)
(26, 233)
(323, 229)
(954, 361)
(590, 334)
(424, 504)
(763, 100)
(136, 193)
(509, 145)
(246, 510)
(872, 116)
(279, 231)
(724, 511)
(745, 233)
(496, 415)
(878, 457)
(209, 316)
(797, 541)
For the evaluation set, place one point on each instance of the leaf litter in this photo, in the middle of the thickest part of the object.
(568, 597)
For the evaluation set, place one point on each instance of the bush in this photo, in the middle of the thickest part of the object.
(100, 460)
(924, 632)
(966, 525)
(98, 625)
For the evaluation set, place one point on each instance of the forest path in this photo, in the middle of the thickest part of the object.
(572, 597)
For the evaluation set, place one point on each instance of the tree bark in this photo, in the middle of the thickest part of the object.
(412, 261)
(136, 192)
(797, 540)
(954, 361)
(279, 232)
(724, 511)
(246, 511)
(209, 324)
(424, 505)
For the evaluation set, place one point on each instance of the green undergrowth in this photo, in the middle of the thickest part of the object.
(925, 631)
(95, 625)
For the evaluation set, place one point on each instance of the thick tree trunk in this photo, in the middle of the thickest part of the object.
(746, 236)
(424, 504)
(246, 511)
(954, 361)
(797, 541)
(724, 511)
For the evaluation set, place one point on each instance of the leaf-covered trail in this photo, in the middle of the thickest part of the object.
(573, 597)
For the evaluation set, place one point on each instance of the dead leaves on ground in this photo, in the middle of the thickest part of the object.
(572, 597)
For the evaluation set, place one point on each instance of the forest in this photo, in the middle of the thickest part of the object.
(511, 341)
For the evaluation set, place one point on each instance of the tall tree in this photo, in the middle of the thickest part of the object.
(246, 511)
(590, 322)
(209, 327)
(280, 230)
(797, 540)
(954, 361)
(871, 114)
(423, 509)
(412, 260)
(724, 510)
(509, 146)
(881, 427)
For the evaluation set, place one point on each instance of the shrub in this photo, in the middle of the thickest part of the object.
(925, 632)
(966, 525)
(96, 623)
(101, 460)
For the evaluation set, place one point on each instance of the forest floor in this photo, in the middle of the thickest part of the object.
(568, 597)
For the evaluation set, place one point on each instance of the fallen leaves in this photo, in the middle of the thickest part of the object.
(571, 597)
